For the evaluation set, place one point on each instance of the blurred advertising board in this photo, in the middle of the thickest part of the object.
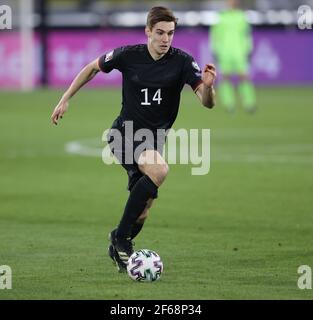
(280, 57)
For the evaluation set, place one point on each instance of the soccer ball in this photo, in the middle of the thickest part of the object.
(145, 265)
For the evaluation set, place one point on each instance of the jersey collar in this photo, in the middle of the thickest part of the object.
(156, 61)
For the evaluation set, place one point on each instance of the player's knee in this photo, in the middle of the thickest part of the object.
(154, 166)
(157, 173)
(160, 172)
(163, 170)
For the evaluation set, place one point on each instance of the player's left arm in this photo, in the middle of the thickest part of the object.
(205, 91)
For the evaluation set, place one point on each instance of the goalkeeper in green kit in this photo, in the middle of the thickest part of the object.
(231, 44)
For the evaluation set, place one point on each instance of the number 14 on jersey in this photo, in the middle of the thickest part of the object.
(156, 97)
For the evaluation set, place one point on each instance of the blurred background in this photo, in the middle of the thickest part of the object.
(52, 40)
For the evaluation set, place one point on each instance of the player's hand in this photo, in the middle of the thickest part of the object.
(209, 74)
(59, 111)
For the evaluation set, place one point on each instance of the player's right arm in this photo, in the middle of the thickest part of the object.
(85, 75)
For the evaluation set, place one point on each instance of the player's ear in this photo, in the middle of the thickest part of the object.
(147, 31)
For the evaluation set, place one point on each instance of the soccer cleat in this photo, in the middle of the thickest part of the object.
(124, 249)
(121, 267)
(111, 253)
(120, 250)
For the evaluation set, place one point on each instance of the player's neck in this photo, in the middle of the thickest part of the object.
(155, 56)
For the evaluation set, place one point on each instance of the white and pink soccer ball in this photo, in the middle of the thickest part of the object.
(145, 265)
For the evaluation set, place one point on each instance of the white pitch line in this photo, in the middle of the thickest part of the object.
(242, 154)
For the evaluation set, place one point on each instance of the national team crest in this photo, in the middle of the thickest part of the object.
(109, 56)
(196, 66)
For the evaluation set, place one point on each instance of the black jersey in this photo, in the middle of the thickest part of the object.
(151, 88)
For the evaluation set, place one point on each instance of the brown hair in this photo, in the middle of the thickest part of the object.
(157, 14)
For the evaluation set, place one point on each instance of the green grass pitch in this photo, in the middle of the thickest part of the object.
(239, 232)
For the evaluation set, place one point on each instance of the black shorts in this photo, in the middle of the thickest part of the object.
(127, 150)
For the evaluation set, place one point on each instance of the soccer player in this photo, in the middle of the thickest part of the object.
(231, 44)
(154, 75)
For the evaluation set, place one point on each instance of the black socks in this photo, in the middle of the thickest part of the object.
(142, 191)
(136, 228)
